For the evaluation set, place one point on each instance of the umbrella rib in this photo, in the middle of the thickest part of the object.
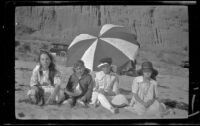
(107, 27)
(81, 37)
(89, 55)
(127, 48)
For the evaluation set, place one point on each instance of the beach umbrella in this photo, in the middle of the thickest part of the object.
(113, 41)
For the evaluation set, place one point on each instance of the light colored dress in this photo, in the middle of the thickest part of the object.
(36, 78)
(107, 82)
(145, 91)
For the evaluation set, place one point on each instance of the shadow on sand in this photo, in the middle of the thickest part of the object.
(124, 92)
(175, 104)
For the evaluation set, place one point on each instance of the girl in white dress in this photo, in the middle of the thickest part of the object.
(144, 89)
(45, 79)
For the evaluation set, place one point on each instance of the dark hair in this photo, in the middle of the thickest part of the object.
(106, 60)
(52, 66)
(79, 63)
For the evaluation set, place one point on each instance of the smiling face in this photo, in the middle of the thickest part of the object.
(106, 68)
(79, 70)
(45, 61)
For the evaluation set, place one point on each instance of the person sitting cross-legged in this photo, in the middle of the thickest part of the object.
(106, 86)
(145, 97)
(79, 87)
(45, 79)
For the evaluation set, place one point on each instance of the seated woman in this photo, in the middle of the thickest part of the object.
(45, 79)
(106, 86)
(144, 89)
(79, 87)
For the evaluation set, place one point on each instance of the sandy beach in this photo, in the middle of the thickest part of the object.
(173, 90)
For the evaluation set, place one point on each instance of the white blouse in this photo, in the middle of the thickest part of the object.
(145, 91)
(106, 81)
(44, 78)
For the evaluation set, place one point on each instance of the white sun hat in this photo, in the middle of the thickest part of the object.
(119, 101)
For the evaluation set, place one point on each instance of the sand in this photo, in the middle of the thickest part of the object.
(173, 90)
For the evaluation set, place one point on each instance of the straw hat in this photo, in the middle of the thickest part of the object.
(119, 101)
(148, 66)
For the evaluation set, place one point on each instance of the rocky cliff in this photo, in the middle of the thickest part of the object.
(161, 30)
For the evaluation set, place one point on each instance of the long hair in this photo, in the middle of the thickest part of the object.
(52, 66)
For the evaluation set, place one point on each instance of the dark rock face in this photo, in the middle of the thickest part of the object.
(158, 28)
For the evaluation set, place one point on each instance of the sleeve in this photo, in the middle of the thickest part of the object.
(96, 82)
(57, 78)
(135, 86)
(88, 94)
(69, 84)
(155, 90)
(34, 77)
(116, 85)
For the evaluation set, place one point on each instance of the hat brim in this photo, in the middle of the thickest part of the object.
(102, 65)
(154, 71)
(119, 101)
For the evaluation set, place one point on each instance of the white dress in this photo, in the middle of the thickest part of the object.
(107, 82)
(145, 91)
(37, 78)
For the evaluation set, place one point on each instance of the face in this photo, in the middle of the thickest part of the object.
(45, 61)
(106, 69)
(147, 73)
(79, 70)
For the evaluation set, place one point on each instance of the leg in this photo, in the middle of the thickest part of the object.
(62, 96)
(35, 94)
(132, 101)
(138, 108)
(54, 92)
(154, 109)
(72, 101)
(94, 97)
(105, 103)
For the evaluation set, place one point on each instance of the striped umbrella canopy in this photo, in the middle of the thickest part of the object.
(113, 41)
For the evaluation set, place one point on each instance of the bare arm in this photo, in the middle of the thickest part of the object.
(69, 86)
(113, 90)
(151, 101)
(34, 78)
(135, 89)
(90, 87)
(137, 98)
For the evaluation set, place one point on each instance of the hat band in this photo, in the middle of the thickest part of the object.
(147, 68)
(101, 64)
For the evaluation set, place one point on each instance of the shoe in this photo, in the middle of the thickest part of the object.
(115, 110)
(84, 105)
(81, 102)
(41, 102)
(33, 99)
(96, 105)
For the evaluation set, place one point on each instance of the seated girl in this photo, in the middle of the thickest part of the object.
(106, 86)
(144, 89)
(45, 79)
(79, 86)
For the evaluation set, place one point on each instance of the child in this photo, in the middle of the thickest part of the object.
(144, 89)
(79, 87)
(106, 86)
(45, 79)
